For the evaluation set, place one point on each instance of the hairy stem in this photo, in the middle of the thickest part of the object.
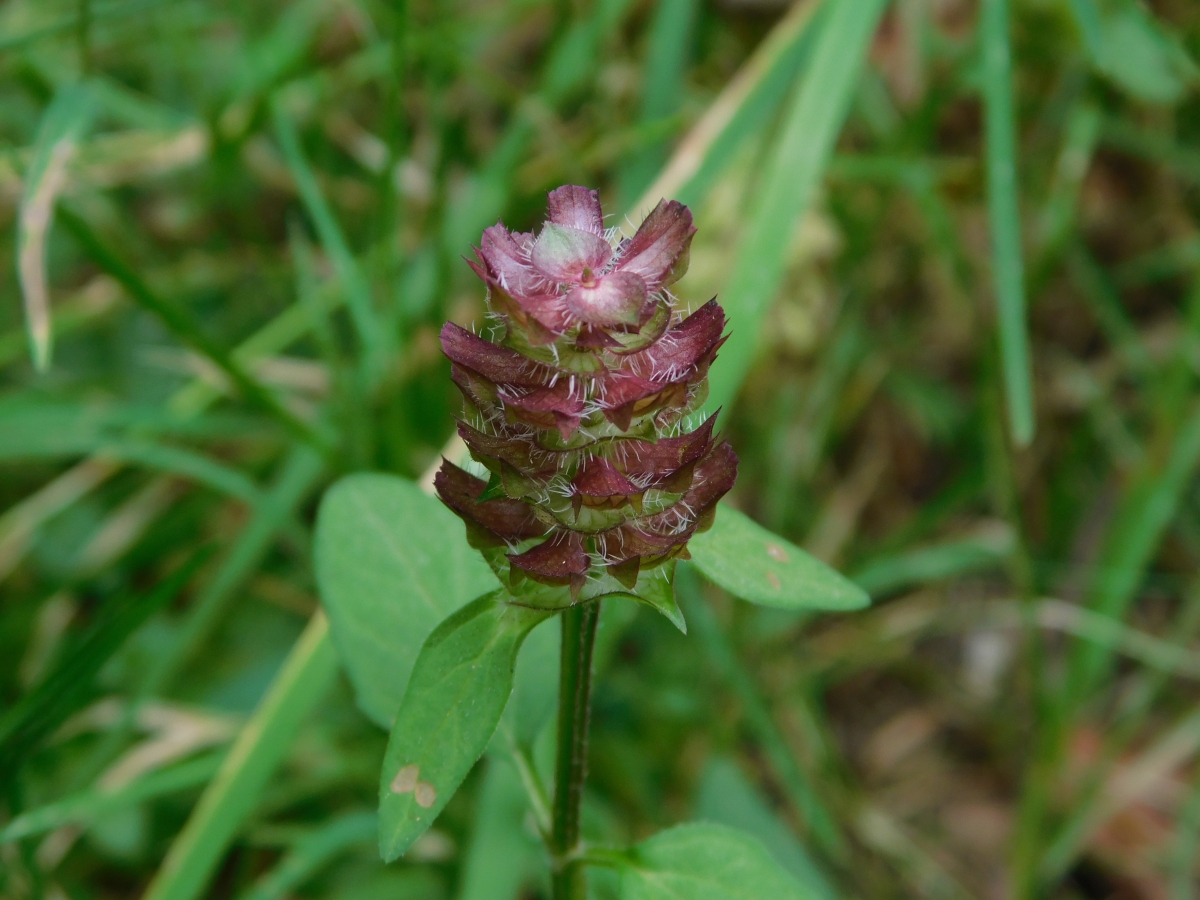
(574, 698)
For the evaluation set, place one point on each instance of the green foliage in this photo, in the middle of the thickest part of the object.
(230, 234)
(752, 563)
(233, 793)
(72, 683)
(705, 862)
(391, 563)
(61, 127)
(727, 797)
(1004, 218)
(794, 169)
(457, 692)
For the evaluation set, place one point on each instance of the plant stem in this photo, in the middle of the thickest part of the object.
(574, 707)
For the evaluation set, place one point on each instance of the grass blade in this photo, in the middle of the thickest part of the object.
(667, 54)
(371, 335)
(727, 797)
(312, 852)
(68, 687)
(65, 120)
(93, 804)
(187, 329)
(801, 793)
(1008, 268)
(793, 171)
(502, 855)
(1147, 510)
(890, 573)
(299, 473)
(261, 746)
(744, 106)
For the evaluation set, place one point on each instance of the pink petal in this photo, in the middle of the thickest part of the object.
(548, 407)
(617, 299)
(506, 256)
(576, 207)
(590, 338)
(659, 250)
(565, 254)
(542, 316)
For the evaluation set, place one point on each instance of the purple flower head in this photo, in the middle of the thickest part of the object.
(582, 408)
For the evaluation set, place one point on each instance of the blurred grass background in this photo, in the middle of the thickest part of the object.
(958, 244)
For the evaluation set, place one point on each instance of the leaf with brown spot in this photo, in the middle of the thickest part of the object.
(752, 563)
(456, 695)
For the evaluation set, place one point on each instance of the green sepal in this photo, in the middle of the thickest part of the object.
(656, 589)
(495, 487)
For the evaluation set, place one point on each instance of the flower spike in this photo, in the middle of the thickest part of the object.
(581, 409)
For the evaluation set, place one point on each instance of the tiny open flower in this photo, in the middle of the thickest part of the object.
(571, 272)
(580, 409)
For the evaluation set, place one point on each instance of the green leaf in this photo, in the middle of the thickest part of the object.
(656, 589)
(459, 687)
(705, 862)
(727, 797)
(752, 563)
(391, 564)
(1139, 57)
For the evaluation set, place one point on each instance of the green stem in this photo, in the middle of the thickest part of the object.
(574, 695)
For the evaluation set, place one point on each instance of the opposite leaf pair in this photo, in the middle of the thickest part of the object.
(392, 561)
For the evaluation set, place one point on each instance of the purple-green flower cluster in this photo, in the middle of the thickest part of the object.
(578, 402)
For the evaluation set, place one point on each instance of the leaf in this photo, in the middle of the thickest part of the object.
(1139, 57)
(656, 589)
(752, 563)
(727, 797)
(705, 862)
(458, 690)
(391, 564)
(62, 125)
